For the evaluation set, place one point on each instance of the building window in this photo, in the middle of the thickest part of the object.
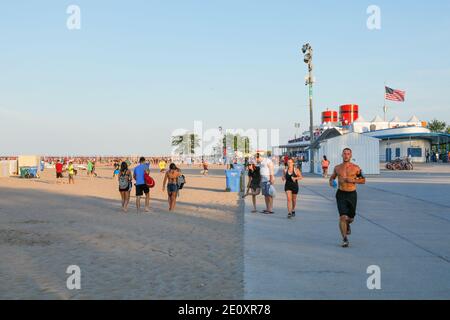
(415, 152)
(397, 152)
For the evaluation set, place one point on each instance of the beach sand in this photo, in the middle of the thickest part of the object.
(195, 252)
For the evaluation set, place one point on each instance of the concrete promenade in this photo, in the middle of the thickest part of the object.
(403, 226)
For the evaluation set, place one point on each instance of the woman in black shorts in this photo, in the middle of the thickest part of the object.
(291, 176)
(254, 184)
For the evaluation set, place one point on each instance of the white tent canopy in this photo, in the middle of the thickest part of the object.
(414, 119)
(377, 119)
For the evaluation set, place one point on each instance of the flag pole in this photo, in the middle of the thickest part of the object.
(385, 107)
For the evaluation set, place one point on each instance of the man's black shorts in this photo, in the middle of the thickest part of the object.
(59, 175)
(141, 189)
(346, 203)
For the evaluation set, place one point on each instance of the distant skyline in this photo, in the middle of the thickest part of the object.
(138, 70)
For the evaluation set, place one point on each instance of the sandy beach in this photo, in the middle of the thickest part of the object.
(195, 252)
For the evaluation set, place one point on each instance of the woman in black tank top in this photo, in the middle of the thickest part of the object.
(291, 176)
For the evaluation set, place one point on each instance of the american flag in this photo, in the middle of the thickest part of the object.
(395, 95)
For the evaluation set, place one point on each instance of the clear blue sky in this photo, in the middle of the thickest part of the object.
(137, 70)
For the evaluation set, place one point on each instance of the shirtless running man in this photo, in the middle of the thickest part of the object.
(349, 175)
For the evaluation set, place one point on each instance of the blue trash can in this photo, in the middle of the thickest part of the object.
(28, 172)
(33, 172)
(233, 180)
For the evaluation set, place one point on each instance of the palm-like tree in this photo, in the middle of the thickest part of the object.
(237, 142)
(437, 126)
(186, 144)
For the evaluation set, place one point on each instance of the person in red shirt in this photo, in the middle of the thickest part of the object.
(325, 166)
(59, 171)
(285, 160)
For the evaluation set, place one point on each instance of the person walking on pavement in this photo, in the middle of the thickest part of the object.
(254, 184)
(291, 177)
(325, 166)
(267, 181)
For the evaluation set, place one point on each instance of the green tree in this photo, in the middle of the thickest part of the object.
(448, 129)
(186, 144)
(237, 142)
(437, 126)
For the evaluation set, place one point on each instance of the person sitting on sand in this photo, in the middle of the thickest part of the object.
(171, 177)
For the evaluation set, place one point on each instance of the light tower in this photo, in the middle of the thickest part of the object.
(307, 51)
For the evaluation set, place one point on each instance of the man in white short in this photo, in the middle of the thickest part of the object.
(267, 179)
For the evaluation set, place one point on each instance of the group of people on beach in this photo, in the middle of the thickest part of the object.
(62, 167)
(143, 184)
(261, 175)
(173, 178)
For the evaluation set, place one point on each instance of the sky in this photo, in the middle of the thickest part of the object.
(138, 70)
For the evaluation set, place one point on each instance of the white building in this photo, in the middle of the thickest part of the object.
(410, 141)
(396, 139)
(331, 144)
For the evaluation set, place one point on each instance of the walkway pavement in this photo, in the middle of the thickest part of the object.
(403, 226)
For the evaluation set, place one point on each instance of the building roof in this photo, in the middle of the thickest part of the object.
(352, 136)
(434, 137)
(328, 134)
(295, 145)
(396, 119)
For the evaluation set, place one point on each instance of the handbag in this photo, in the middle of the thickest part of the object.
(272, 191)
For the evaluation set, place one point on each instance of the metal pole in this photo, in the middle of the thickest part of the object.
(385, 107)
(311, 121)
(308, 59)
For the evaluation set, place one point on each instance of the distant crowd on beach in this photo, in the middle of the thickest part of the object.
(139, 178)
